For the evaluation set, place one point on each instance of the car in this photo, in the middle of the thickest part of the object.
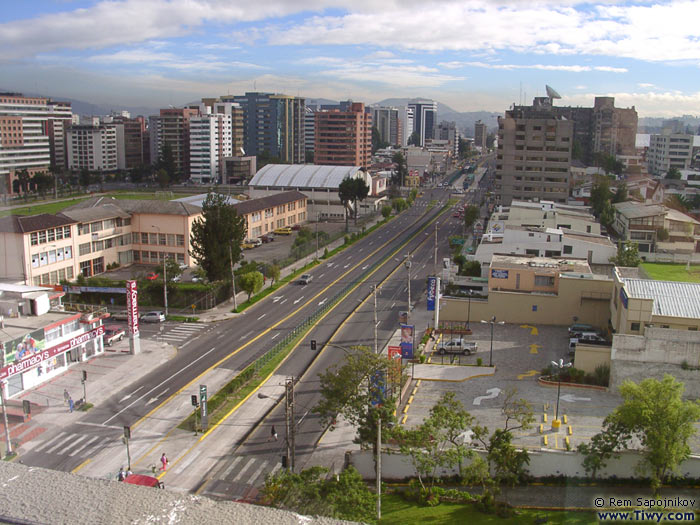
(457, 346)
(176, 279)
(296, 227)
(153, 317)
(254, 242)
(247, 246)
(113, 334)
(267, 238)
(283, 231)
(182, 266)
(196, 279)
(152, 276)
(121, 315)
(587, 338)
(580, 327)
(305, 278)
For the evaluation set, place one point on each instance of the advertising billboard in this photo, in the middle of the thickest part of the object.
(378, 386)
(432, 292)
(407, 341)
(132, 308)
(22, 347)
(395, 365)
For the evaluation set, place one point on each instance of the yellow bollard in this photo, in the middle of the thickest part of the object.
(571, 430)
(544, 440)
(565, 419)
(544, 418)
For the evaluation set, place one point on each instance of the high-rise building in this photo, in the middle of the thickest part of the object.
(130, 137)
(172, 127)
(614, 129)
(272, 124)
(424, 119)
(669, 150)
(344, 138)
(448, 131)
(310, 130)
(92, 147)
(480, 133)
(210, 143)
(389, 122)
(534, 153)
(27, 133)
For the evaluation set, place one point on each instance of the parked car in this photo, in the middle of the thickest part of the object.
(296, 227)
(152, 276)
(255, 242)
(247, 245)
(146, 481)
(457, 346)
(283, 231)
(267, 238)
(183, 266)
(121, 315)
(588, 338)
(153, 317)
(305, 278)
(176, 279)
(113, 334)
(580, 327)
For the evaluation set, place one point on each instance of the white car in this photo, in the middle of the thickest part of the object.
(305, 278)
(153, 317)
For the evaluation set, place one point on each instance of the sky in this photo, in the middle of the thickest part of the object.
(472, 55)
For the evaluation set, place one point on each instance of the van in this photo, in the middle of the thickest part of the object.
(457, 346)
(283, 231)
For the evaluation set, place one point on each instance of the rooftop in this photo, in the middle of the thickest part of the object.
(32, 223)
(635, 210)
(270, 201)
(671, 298)
(302, 175)
(16, 327)
(155, 207)
(551, 263)
(198, 200)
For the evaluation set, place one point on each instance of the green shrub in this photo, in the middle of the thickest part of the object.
(602, 375)
(479, 361)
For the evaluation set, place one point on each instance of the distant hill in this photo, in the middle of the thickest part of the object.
(80, 107)
(464, 120)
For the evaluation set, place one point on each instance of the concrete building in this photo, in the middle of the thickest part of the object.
(172, 127)
(642, 223)
(480, 134)
(273, 124)
(309, 131)
(92, 147)
(534, 154)
(614, 129)
(25, 136)
(320, 185)
(266, 214)
(39, 340)
(448, 132)
(424, 119)
(669, 150)
(389, 121)
(239, 170)
(210, 144)
(85, 238)
(60, 118)
(343, 138)
(543, 214)
(130, 142)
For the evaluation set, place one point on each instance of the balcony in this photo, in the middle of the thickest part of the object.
(103, 234)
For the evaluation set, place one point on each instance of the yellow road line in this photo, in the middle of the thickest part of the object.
(403, 419)
(76, 469)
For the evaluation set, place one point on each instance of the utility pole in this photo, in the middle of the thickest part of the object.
(165, 285)
(408, 269)
(318, 218)
(289, 421)
(379, 468)
(435, 253)
(4, 416)
(233, 277)
(376, 348)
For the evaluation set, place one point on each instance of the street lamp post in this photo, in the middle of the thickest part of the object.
(469, 308)
(560, 366)
(408, 270)
(165, 276)
(492, 322)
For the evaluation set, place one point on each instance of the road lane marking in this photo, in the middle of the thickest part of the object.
(529, 373)
(153, 399)
(276, 335)
(321, 275)
(83, 446)
(491, 393)
(129, 395)
(300, 298)
(245, 467)
(263, 315)
(323, 302)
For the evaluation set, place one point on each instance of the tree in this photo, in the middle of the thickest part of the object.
(490, 140)
(438, 442)
(251, 282)
(360, 192)
(673, 173)
(607, 214)
(346, 193)
(621, 194)
(401, 169)
(172, 269)
(216, 236)
(600, 194)
(386, 211)
(678, 202)
(471, 214)
(662, 234)
(627, 255)
(166, 161)
(609, 163)
(272, 271)
(576, 150)
(414, 139)
(23, 180)
(348, 390)
(654, 414)
(85, 177)
(163, 178)
(399, 204)
(43, 182)
(377, 142)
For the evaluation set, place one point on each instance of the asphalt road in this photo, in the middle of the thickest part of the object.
(236, 343)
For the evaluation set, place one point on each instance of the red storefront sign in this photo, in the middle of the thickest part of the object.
(30, 361)
(132, 307)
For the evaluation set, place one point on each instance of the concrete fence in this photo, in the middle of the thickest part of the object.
(396, 466)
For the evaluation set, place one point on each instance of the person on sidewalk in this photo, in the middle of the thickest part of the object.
(122, 475)
(273, 434)
(66, 396)
(164, 461)
(71, 404)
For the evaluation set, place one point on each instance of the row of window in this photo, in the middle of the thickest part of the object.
(51, 257)
(50, 235)
(92, 267)
(54, 277)
(156, 239)
(157, 257)
(107, 224)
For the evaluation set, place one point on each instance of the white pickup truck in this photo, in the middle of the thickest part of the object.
(113, 334)
(456, 346)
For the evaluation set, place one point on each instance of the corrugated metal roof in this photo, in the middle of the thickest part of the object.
(105, 211)
(262, 203)
(32, 223)
(302, 175)
(633, 210)
(671, 298)
(198, 200)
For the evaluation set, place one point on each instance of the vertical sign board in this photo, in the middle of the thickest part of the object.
(132, 316)
(395, 366)
(407, 341)
(432, 291)
(378, 386)
(203, 406)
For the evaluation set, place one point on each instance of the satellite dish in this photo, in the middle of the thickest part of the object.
(551, 92)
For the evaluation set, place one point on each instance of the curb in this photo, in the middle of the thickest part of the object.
(545, 382)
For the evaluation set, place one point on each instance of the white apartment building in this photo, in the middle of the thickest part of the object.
(669, 150)
(544, 242)
(92, 147)
(210, 142)
(543, 214)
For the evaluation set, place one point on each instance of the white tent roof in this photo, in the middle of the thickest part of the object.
(303, 175)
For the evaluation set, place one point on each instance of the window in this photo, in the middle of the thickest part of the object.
(144, 238)
(66, 232)
(161, 239)
(52, 256)
(59, 254)
(52, 334)
(34, 239)
(85, 270)
(35, 260)
(83, 229)
(43, 259)
(171, 239)
(544, 280)
(61, 274)
(97, 246)
(137, 256)
(53, 277)
(181, 258)
(180, 240)
(69, 273)
(109, 223)
(153, 239)
(42, 237)
(109, 243)
(59, 234)
(68, 252)
(84, 249)
(634, 327)
(98, 265)
(51, 235)
(154, 257)
(96, 226)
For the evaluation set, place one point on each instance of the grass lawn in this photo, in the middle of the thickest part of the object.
(397, 511)
(672, 272)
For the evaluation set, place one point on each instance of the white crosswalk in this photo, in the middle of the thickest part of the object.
(70, 444)
(182, 332)
(252, 470)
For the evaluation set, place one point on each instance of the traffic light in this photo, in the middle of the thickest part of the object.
(284, 461)
(194, 400)
(84, 375)
(127, 432)
(26, 407)
(313, 344)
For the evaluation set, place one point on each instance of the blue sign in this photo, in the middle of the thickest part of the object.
(499, 274)
(432, 289)
(378, 387)
(93, 289)
(407, 341)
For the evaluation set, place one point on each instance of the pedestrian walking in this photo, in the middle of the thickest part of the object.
(164, 461)
(66, 396)
(128, 473)
(273, 433)
(71, 404)
(122, 475)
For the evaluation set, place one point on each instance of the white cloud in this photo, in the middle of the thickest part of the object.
(646, 85)
(649, 104)
(170, 61)
(542, 67)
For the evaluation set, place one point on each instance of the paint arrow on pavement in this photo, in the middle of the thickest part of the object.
(533, 329)
(491, 394)
(572, 398)
(129, 395)
(154, 399)
(323, 302)
(300, 298)
(277, 298)
(365, 266)
(529, 373)
(534, 347)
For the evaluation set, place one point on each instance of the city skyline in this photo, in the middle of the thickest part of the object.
(475, 55)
